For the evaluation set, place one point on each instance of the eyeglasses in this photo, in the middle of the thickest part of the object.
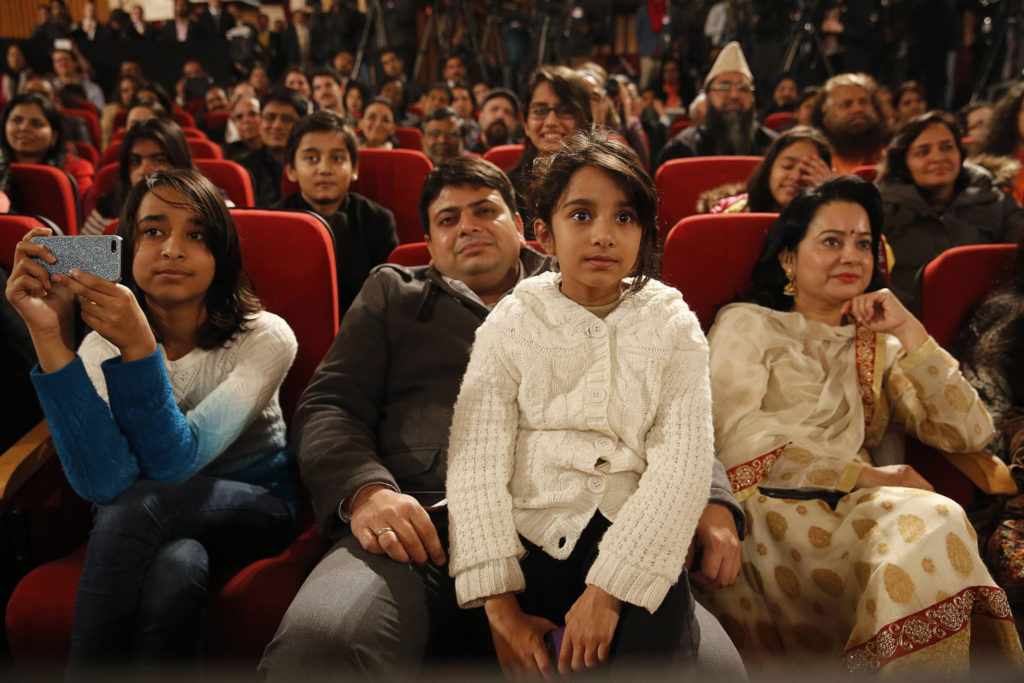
(562, 111)
(449, 134)
(284, 118)
(743, 87)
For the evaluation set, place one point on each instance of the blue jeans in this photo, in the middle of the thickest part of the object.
(143, 588)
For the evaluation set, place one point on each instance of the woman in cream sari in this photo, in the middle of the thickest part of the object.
(844, 557)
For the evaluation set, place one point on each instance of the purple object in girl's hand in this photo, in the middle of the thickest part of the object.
(553, 639)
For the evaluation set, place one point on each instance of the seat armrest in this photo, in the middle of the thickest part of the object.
(19, 462)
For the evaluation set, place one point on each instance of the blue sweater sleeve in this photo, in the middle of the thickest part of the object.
(96, 457)
(172, 446)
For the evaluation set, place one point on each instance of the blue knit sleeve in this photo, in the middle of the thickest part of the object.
(96, 457)
(172, 446)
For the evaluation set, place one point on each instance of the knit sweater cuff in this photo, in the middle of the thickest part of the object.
(493, 577)
(628, 583)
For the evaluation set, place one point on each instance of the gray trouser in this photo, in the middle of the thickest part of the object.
(365, 615)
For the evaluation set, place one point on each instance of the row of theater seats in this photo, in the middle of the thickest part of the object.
(709, 258)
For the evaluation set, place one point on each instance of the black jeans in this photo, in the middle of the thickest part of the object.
(669, 635)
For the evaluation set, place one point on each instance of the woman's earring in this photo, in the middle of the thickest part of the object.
(790, 288)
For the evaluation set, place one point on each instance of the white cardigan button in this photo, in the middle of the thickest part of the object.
(603, 443)
(596, 395)
(596, 329)
(596, 484)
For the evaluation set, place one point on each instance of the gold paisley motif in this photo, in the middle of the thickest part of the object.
(812, 638)
(768, 636)
(956, 398)
(862, 570)
(898, 584)
(928, 565)
(823, 478)
(959, 556)
(911, 528)
(788, 581)
(819, 538)
(864, 527)
(777, 525)
(828, 581)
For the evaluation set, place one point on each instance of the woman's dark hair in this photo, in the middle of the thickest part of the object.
(1003, 129)
(115, 94)
(570, 88)
(594, 148)
(161, 94)
(896, 152)
(386, 102)
(230, 299)
(58, 148)
(905, 87)
(166, 134)
(759, 193)
(789, 229)
(364, 91)
(149, 103)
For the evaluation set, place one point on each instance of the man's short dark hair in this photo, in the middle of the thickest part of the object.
(442, 86)
(472, 171)
(442, 113)
(291, 98)
(325, 71)
(505, 93)
(323, 121)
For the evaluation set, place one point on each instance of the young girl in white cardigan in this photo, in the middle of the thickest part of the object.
(581, 443)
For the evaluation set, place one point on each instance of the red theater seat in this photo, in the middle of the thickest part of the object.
(409, 138)
(49, 192)
(680, 183)
(504, 157)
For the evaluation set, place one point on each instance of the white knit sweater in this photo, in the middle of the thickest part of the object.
(561, 415)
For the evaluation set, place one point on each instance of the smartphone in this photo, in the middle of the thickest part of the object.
(62, 44)
(553, 641)
(96, 254)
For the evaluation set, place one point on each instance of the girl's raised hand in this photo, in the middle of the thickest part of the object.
(881, 311)
(814, 171)
(41, 302)
(589, 628)
(112, 311)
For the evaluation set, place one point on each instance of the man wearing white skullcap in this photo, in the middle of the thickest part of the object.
(730, 128)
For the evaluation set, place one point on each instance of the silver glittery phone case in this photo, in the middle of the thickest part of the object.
(96, 254)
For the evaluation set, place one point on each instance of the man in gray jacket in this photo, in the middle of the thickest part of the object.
(372, 435)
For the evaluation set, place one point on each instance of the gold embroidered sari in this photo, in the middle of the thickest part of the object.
(891, 577)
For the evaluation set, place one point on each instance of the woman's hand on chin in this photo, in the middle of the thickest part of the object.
(881, 311)
(111, 310)
(892, 475)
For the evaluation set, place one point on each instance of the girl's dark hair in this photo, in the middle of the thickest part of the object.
(789, 229)
(166, 134)
(908, 86)
(230, 298)
(1003, 130)
(386, 102)
(149, 103)
(58, 148)
(595, 149)
(896, 152)
(574, 93)
(361, 87)
(759, 193)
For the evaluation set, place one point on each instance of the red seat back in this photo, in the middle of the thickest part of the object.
(230, 177)
(680, 183)
(305, 293)
(87, 152)
(678, 126)
(709, 258)
(215, 118)
(778, 120)
(12, 229)
(49, 192)
(92, 122)
(204, 149)
(504, 157)
(409, 138)
(393, 178)
(867, 172)
(956, 280)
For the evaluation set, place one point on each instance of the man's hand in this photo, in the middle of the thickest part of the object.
(518, 638)
(589, 628)
(717, 537)
(410, 536)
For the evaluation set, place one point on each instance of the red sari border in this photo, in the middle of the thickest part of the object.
(864, 352)
(749, 473)
(927, 627)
